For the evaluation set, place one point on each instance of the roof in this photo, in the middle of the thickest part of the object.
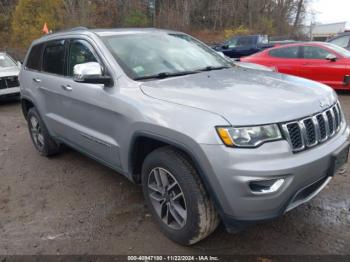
(302, 43)
(100, 32)
(116, 31)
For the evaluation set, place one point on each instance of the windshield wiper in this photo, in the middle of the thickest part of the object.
(211, 68)
(166, 75)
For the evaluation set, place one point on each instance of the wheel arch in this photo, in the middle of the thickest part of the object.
(188, 147)
(26, 105)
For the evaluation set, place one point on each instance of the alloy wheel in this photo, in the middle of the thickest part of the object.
(36, 133)
(167, 198)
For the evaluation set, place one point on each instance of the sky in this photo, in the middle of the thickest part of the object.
(330, 11)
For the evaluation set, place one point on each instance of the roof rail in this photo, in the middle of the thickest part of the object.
(78, 28)
(67, 30)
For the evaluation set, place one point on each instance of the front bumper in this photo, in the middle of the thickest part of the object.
(9, 91)
(304, 172)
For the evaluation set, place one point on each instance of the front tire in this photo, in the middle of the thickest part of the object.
(42, 141)
(176, 197)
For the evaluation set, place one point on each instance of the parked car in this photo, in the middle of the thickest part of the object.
(208, 142)
(9, 70)
(342, 40)
(322, 62)
(239, 46)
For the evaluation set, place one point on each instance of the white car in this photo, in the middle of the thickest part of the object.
(254, 66)
(246, 65)
(9, 70)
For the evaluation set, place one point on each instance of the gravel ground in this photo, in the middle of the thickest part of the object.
(70, 204)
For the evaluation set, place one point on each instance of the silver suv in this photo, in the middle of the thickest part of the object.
(207, 141)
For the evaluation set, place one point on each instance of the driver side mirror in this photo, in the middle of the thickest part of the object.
(91, 73)
(19, 64)
(331, 58)
(225, 47)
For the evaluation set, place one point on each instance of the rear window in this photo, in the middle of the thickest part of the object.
(34, 58)
(286, 52)
(343, 41)
(53, 58)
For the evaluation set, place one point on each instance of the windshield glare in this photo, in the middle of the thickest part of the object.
(342, 51)
(143, 55)
(6, 61)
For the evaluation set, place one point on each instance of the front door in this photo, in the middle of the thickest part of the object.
(91, 119)
(317, 67)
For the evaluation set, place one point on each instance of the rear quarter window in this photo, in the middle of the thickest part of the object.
(34, 58)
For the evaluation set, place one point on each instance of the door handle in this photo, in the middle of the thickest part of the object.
(37, 80)
(67, 87)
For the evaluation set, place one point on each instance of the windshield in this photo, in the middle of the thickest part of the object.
(147, 55)
(6, 61)
(241, 41)
(341, 51)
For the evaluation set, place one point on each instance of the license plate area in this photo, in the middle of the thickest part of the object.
(339, 159)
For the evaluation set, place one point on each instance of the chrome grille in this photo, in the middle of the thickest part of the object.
(8, 82)
(313, 130)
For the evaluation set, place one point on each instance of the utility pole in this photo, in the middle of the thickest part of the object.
(152, 7)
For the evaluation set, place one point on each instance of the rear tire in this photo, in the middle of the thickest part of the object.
(176, 197)
(42, 141)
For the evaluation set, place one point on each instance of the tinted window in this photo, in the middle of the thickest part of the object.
(286, 52)
(341, 41)
(315, 52)
(241, 41)
(34, 58)
(53, 61)
(80, 52)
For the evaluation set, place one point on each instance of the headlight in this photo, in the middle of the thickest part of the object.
(252, 136)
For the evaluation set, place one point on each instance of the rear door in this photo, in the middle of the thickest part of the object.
(49, 87)
(315, 66)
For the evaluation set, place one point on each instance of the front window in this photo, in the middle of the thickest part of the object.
(80, 52)
(146, 55)
(6, 61)
(315, 52)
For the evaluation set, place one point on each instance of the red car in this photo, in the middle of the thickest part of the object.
(322, 62)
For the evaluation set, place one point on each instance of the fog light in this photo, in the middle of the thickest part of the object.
(262, 187)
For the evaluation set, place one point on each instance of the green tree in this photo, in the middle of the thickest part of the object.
(6, 10)
(136, 19)
(30, 16)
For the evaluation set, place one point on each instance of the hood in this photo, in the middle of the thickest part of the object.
(245, 97)
(9, 71)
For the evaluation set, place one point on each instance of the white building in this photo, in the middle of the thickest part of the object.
(321, 32)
